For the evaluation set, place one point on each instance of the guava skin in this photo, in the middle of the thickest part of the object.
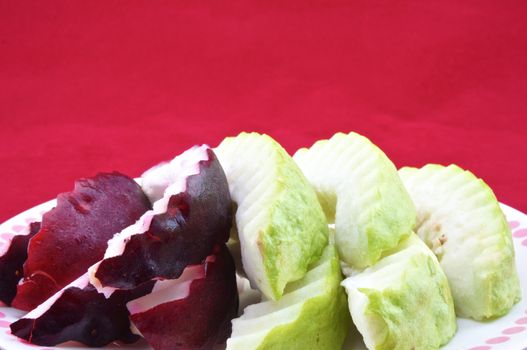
(12, 262)
(85, 316)
(200, 320)
(195, 221)
(74, 234)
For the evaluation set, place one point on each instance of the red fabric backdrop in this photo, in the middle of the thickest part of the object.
(97, 86)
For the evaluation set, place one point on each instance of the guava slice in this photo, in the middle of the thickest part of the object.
(74, 234)
(459, 218)
(79, 313)
(361, 192)
(403, 301)
(193, 311)
(281, 226)
(12, 262)
(312, 314)
(191, 214)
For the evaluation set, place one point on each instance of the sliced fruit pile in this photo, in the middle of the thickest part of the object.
(119, 259)
(168, 260)
(396, 288)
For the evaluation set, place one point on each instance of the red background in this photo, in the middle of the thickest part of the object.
(97, 86)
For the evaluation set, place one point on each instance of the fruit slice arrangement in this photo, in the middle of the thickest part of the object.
(460, 220)
(360, 190)
(312, 313)
(189, 190)
(374, 215)
(167, 275)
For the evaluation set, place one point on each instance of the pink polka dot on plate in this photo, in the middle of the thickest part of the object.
(484, 347)
(4, 324)
(514, 224)
(18, 228)
(524, 242)
(2, 315)
(8, 331)
(522, 320)
(30, 220)
(6, 236)
(513, 330)
(520, 233)
(497, 340)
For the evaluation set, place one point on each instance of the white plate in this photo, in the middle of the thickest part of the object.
(506, 333)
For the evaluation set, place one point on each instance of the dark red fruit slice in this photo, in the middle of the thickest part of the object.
(80, 313)
(193, 216)
(12, 262)
(74, 235)
(192, 312)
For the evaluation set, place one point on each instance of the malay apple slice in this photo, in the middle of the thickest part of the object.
(191, 214)
(12, 262)
(79, 313)
(312, 313)
(403, 301)
(281, 226)
(360, 191)
(459, 218)
(74, 234)
(193, 311)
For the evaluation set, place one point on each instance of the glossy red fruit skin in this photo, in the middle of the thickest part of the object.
(74, 234)
(82, 315)
(200, 320)
(12, 262)
(195, 221)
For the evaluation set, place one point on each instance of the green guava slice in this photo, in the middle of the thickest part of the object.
(360, 190)
(403, 301)
(460, 219)
(281, 226)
